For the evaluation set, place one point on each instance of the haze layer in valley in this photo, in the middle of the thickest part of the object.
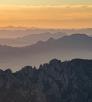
(66, 47)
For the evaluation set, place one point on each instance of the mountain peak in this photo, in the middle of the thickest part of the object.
(53, 61)
(51, 39)
(79, 35)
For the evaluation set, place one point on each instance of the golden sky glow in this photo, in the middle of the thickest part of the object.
(65, 16)
(43, 2)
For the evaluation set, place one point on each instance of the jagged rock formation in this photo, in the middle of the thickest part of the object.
(56, 81)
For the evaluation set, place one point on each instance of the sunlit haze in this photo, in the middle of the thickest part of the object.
(65, 16)
(46, 14)
(43, 2)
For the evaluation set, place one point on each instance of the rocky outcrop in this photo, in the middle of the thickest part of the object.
(56, 81)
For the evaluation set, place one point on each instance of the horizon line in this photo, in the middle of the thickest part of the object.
(32, 27)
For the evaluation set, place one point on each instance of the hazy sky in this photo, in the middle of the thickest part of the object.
(46, 13)
(41, 2)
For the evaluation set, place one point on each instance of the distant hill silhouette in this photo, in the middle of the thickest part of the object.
(20, 36)
(29, 38)
(81, 30)
(56, 81)
(67, 47)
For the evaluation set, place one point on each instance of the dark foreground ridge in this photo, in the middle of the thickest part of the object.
(69, 81)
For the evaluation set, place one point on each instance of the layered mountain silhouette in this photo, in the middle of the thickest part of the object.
(20, 36)
(56, 81)
(28, 37)
(67, 47)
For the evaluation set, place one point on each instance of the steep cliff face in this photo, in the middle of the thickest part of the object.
(56, 81)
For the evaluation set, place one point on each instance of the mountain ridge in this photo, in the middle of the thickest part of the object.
(55, 81)
(67, 47)
(30, 39)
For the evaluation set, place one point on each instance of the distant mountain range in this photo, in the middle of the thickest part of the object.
(56, 81)
(18, 36)
(66, 47)
(30, 39)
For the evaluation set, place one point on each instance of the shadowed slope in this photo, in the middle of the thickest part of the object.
(67, 47)
(56, 81)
